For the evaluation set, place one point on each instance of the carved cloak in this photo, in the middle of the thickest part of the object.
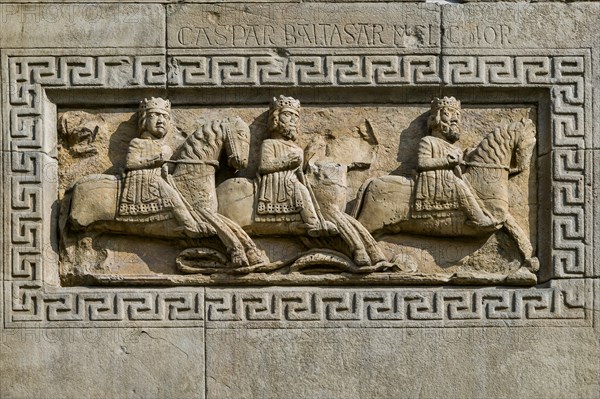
(278, 191)
(436, 188)
(146, 195)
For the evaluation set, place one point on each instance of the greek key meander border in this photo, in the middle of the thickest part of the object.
(31, 303)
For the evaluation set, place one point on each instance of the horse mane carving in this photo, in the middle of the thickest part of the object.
(497, 146)
(211, 137)
(203, 144)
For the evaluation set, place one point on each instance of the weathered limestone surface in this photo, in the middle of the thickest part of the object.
(83, 25)
(352, 363)
(352, 135)
(133, 325)
(109, 362)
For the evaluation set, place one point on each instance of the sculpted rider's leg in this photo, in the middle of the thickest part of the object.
(316, 226)
(368, 241)
(180, 211)
(471, 207)
(308, 212)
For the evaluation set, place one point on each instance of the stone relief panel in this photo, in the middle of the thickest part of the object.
(30, 116)
(298, 194)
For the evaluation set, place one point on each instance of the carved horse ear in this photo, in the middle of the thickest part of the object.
(62, 121)
(528, 123)
(64, 129)
(94, 133)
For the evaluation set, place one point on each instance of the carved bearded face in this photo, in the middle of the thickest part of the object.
(157, 122)
(449, 123)
(287, 124)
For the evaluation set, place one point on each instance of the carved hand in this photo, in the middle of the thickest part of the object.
(143, 163)
(293, 160)
(515, 171)
(454, 159)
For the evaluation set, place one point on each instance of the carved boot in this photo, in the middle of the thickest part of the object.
(375, 254)
(318, 230)
(256, 257)
(312, 225)
(361, 258)
(238, 258)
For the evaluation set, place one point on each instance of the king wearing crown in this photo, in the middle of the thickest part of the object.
(147, 195)
(440, 188)
(284, 195)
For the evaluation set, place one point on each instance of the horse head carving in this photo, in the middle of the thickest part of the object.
(509, 147)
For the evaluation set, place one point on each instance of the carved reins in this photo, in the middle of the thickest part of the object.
(211, 162)
(486, 165)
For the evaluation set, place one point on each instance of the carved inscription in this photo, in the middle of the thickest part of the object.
(70, 13)
(310, 35)
(480, 35)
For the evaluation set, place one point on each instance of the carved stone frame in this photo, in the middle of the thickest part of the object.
(33, 296)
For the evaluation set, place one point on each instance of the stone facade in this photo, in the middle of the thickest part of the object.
(335, 305)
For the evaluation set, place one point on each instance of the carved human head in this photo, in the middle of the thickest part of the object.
(444, 120)
(284, 113)
(154, 117)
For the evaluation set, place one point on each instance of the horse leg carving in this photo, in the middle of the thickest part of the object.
(227, 237)
(253, 254)
(223, 231)
(350, 236)
(363, 245)
(523, 243)
(367, 240)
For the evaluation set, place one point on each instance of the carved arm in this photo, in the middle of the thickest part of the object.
(279, 164)
(426, 161)
(425, 164)
(135, 160)
(271, 164)
(144, 162)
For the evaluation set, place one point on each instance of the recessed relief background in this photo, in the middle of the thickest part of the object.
(348, 151)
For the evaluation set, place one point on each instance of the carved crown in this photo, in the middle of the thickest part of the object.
(155, 103)
(444, 102)
(285, 102)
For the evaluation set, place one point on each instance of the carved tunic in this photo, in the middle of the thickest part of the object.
(279, 184)
(438, 188)
(146, 195)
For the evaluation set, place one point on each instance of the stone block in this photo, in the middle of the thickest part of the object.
(81, 25)
(375, 363)
(595, 272)
(284, 27)
(519, 25)
(112, 362)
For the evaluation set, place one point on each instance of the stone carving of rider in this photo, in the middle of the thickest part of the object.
(440, 189)
(284, 194)
(147, 196)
